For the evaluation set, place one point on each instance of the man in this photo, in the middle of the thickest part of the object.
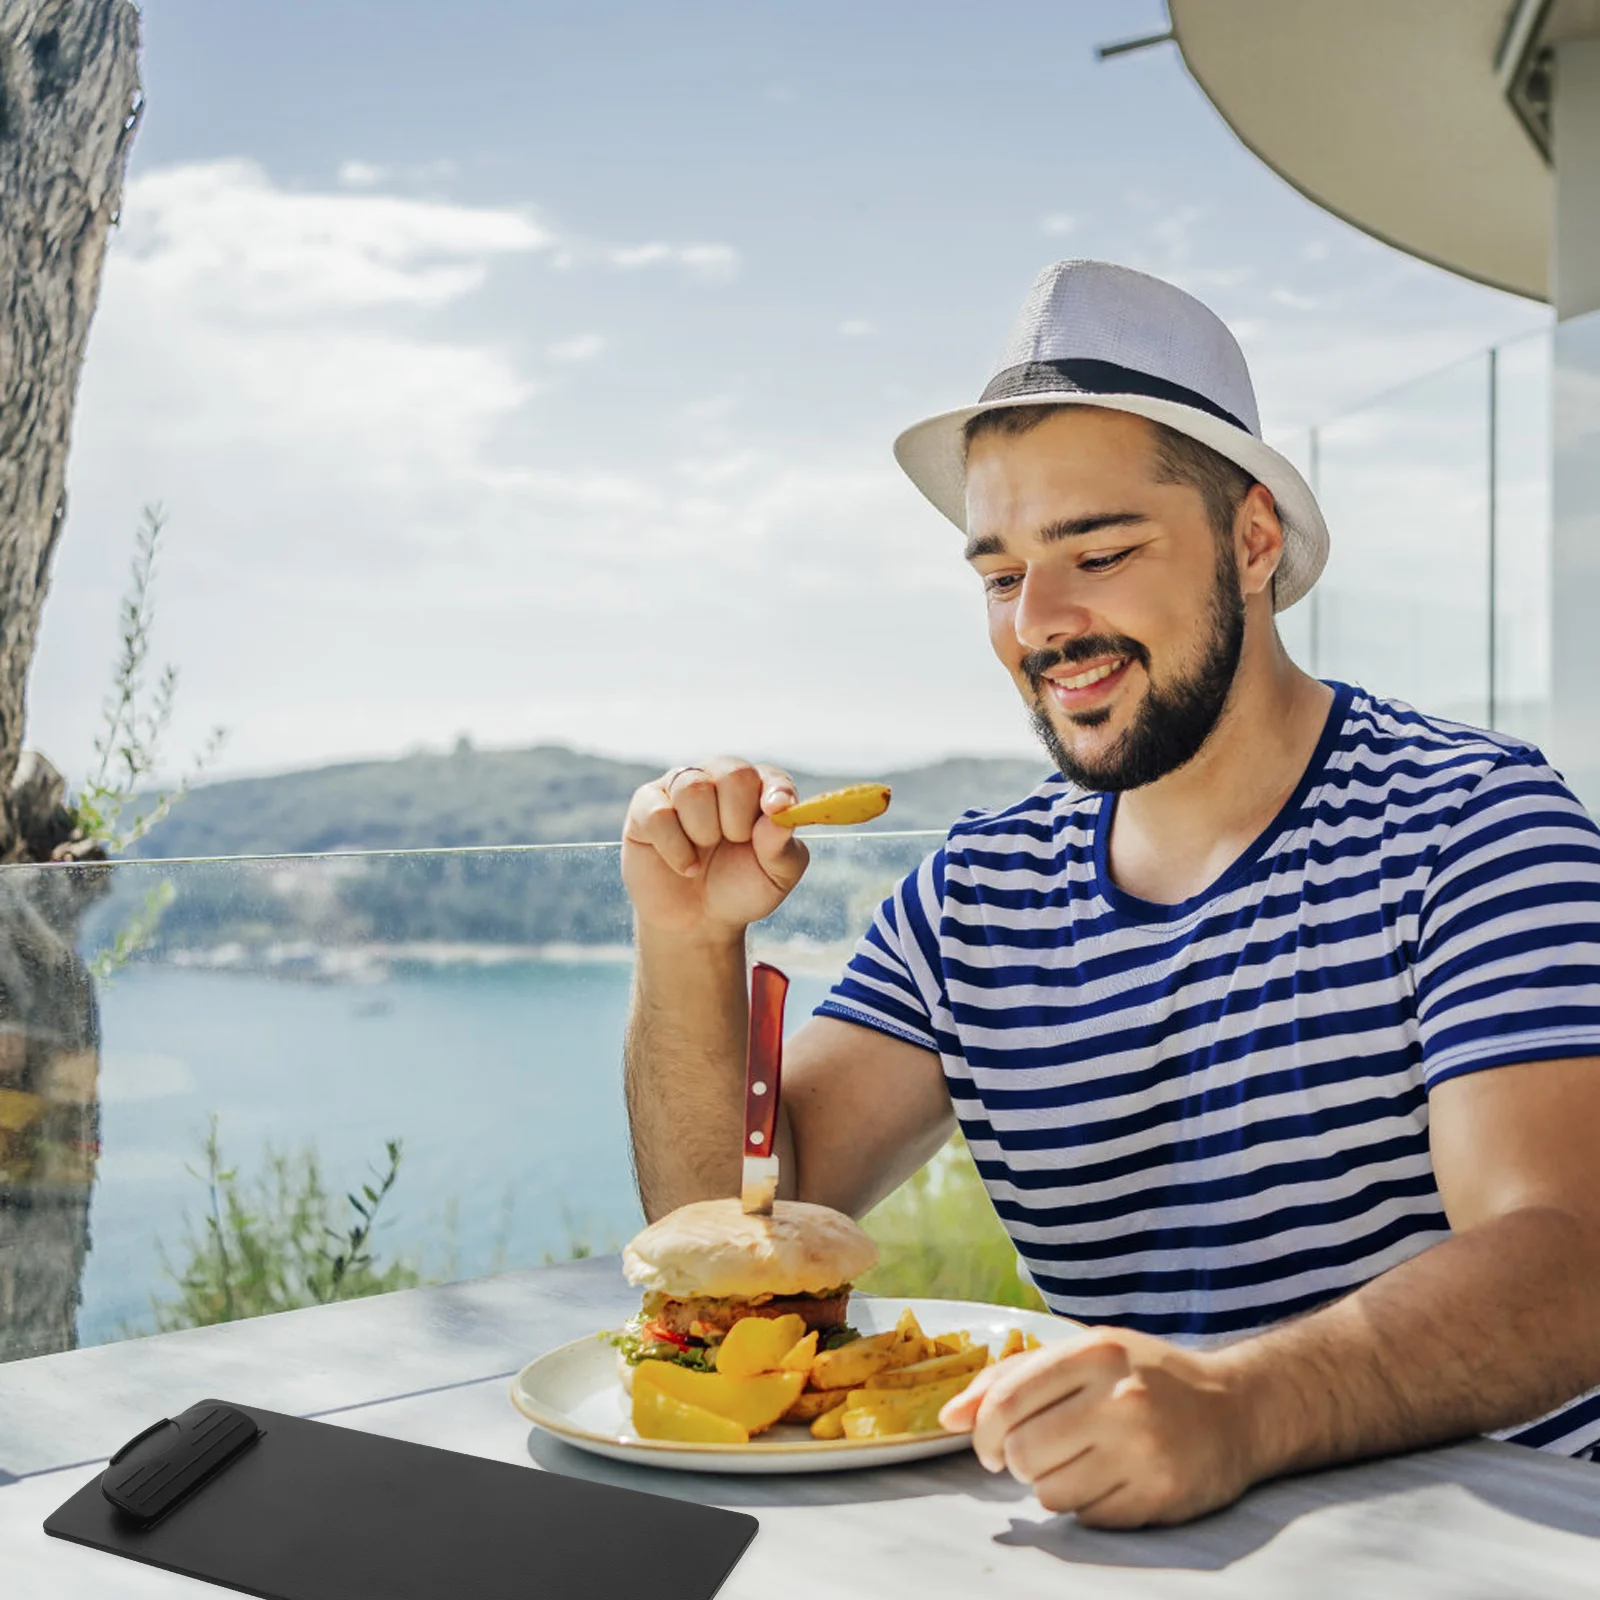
(1271, 1020)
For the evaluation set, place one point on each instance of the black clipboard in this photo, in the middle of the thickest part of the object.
(287, 1509)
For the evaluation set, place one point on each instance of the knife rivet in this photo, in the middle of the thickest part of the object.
(758, 1088)
(755, 1138)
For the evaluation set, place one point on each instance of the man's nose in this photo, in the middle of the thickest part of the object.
(1048, 611)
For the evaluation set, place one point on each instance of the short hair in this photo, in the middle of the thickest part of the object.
(1222, 484)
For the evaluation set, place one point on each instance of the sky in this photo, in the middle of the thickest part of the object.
(528, 372)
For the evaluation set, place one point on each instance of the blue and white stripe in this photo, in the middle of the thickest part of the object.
(1199, 1119)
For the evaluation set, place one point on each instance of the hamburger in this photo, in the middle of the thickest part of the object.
(708, 1264)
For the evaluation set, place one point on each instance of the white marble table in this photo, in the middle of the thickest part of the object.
(1478, 1519)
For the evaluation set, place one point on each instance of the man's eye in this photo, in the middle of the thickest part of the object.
(1001, 583)
(1103, 563)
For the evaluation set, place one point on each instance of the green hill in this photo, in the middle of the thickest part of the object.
(545, 795)
(295, 917)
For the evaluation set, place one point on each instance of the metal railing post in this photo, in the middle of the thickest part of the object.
(1314, 467)
(1493, 532)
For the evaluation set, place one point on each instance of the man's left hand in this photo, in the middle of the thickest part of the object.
(1120, 1427)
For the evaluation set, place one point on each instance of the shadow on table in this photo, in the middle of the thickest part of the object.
(956, 1474)
(1548, 1491)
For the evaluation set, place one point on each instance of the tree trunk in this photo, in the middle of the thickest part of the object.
(49, 1106)
(69, 105)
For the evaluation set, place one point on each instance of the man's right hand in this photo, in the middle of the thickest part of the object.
(700, 852)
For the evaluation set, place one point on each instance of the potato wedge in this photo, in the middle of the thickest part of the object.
(1030, 1341)
(852, 1364)
(830, 1425)
(877, 1413)
(855, 1423)
(911, 1343)
(932, 1371)
(657, 1415)
(810, 1405)
(947, 1344)
(860, 802)
(758, 1344)
(1012, 1346)
(800, 1355)
(754, 1403)
(908, 1352)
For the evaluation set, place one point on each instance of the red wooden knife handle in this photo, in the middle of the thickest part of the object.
(764, 1072)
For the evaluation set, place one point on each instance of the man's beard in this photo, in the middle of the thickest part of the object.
(1174, 720)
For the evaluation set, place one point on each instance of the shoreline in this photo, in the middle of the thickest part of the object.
(372, 963)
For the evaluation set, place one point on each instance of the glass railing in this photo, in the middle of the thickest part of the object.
(1446, 564)
(203, 1064)
(230, 1086)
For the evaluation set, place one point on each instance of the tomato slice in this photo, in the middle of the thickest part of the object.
(660, 1333)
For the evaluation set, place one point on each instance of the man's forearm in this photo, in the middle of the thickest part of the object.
(683, 1068)
(1488, 1329)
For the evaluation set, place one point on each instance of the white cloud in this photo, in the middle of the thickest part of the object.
(242, 313)
(711, 261)
(362, 174)
(584, 347)
(858, 328)
(385, 530)
(368, 174)
(1057, 225)
(222, 234)
(377, 538)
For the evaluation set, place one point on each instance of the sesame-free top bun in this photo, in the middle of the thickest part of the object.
(712, 1247)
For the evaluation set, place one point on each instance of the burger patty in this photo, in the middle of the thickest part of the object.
(681, 1315)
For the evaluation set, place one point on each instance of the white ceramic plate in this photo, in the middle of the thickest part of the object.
(574, 1392)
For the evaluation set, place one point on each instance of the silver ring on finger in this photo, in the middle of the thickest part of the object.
(677, 772)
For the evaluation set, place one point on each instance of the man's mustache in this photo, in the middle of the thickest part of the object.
(1096, 647)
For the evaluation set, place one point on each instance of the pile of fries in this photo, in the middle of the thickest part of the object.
(769, 1370)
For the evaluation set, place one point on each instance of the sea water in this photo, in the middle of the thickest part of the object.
(502, 1082)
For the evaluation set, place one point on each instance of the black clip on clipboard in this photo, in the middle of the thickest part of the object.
(287, 1509)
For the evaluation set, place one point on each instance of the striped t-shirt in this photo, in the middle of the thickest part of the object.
(1199, 1119)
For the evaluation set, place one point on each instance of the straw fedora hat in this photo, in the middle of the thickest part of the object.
(1095, 334)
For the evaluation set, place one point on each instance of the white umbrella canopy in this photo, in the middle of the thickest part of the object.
(1389, 114)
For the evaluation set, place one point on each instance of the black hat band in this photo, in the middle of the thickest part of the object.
(1084, 375)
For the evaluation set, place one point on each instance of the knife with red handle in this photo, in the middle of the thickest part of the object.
(763, 1075)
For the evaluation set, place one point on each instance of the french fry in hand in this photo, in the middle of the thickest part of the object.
(839, 808)
(658, 1415)
(758, 1344)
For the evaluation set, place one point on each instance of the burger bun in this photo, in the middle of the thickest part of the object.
(714, 1248)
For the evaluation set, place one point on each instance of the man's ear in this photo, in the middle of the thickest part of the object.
(1258, 536)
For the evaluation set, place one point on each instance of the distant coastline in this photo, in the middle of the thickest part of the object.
(547, 794)
(302, 960)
